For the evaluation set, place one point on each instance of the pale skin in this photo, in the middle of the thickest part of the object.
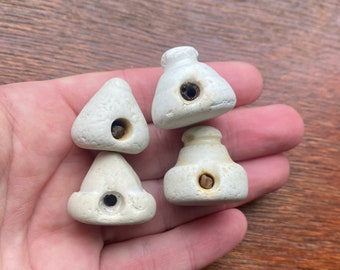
(40, 167)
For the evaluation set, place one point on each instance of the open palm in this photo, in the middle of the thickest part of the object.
(40, 167)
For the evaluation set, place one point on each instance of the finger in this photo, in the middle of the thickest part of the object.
(244, 78)
(257, 132)
(189, 246)
(264, 176)
(247, 133)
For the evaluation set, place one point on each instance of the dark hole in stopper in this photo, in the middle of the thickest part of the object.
(119, 128)
(110, 200)
(189, 91)
(206, 181)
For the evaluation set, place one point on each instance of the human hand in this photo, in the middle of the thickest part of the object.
(40, 168)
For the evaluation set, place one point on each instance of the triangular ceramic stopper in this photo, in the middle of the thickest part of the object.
(189, 91)
(204, 172)
(111, 194)
(111, 121)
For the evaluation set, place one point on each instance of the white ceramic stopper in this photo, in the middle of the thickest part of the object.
(111, 121)
(111, 194)
(204, 172)
(189, 91)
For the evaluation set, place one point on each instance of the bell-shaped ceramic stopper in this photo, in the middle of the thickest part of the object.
(189, 91)
(111, 194)
(111, 121)
(204, 172)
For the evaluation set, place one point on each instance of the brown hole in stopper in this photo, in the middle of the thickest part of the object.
(189, 91)
(119, 128)
(206, 181)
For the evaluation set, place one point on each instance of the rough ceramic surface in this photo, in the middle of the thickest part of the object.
(189, 91)
(111, 194)
(112, 109)
(204, 172)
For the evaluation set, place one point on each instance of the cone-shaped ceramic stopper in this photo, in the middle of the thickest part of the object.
(111, 194)
(204, 172)
(189, 91)
(111, 121)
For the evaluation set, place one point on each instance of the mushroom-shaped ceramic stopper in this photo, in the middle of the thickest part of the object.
(111, 194)
(204, 172)
(189, 91)
(111, 121)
